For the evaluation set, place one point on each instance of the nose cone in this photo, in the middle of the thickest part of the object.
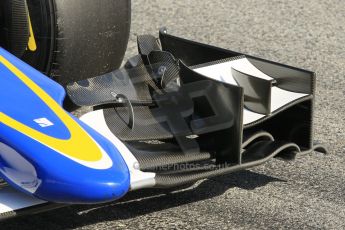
(68, 181)
(58, 179)
(106, 186)
(47, 152)
(62, 178)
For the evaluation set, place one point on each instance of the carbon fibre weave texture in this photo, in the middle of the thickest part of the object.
(136, 83)
(117, 119)
(19, 27)
(147, 43)
(133, 83)
(153, 155)
(260, 152)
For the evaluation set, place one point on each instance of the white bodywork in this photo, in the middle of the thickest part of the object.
(138, 178)
(11, 200)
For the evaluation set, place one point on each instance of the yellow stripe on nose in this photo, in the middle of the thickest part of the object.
(32, 42)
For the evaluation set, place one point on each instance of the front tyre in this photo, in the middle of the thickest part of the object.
(71, 40)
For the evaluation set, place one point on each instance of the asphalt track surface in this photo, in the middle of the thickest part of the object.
(308, 193)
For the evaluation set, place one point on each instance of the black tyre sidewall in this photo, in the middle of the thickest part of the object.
(43, 25)
(78, 39)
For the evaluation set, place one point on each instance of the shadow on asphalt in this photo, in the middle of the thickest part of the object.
(139, 203)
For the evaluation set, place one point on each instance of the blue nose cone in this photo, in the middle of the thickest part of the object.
(70, 182)
(31, 116)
